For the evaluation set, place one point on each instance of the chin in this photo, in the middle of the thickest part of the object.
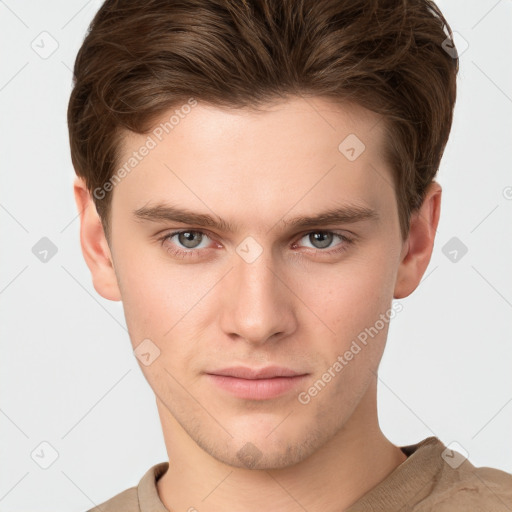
(264, 449)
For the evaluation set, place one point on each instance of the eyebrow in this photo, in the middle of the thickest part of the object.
(346, 214)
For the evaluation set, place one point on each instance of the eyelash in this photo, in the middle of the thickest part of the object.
(346, 241)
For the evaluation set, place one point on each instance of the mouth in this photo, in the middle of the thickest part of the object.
(256, 384)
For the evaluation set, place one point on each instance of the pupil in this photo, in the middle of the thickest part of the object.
(188, 239)
(324, 239)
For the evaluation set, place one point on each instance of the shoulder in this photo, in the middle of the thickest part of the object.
(142, 497)
(472, 488)
(125, 501)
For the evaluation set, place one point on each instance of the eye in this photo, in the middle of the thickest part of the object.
(186, 243)
(323, 240)
(320, 239)
(188, 239)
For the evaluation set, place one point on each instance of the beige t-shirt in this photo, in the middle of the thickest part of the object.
(432, 478)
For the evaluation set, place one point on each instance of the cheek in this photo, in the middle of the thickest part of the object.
(148, 306)
(153, 291)
(351, 297)
(167, 304)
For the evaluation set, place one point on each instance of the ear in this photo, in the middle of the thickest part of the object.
(417, 249)
(94, 244)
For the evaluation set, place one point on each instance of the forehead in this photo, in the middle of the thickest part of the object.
(311, 121)
(306, 150)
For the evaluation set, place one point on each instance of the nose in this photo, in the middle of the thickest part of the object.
(257, 306)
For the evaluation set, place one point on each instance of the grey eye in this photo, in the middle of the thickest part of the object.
(321, 240)
(186, 238)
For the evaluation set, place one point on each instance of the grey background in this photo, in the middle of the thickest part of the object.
(68, 375)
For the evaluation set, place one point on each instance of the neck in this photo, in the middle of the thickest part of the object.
(347, 466)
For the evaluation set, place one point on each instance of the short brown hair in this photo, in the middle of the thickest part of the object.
(141, 58)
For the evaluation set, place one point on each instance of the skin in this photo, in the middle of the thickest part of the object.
(296, 305)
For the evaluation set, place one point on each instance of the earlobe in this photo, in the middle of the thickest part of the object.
(94, 244)
(418, 247)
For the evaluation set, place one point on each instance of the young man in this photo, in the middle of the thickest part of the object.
(256, 184)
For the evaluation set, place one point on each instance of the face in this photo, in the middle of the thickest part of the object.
(258, 285)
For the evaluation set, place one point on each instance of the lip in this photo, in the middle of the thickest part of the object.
(256, 383)
(268, 372)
